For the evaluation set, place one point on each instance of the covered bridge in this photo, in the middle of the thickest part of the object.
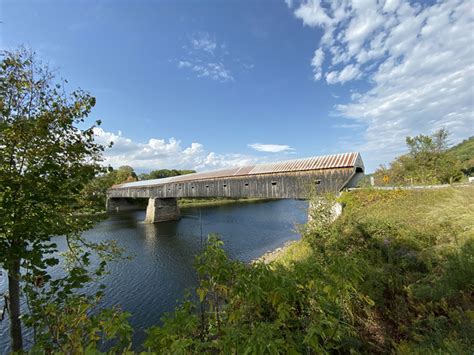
(294, 179)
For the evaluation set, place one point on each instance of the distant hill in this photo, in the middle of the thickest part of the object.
(464, 152)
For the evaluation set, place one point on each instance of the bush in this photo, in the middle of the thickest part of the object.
(381, 278)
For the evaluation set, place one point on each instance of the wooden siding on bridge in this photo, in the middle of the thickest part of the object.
(288, 179)
(297, 185)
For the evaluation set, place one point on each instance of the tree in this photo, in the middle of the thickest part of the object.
(164, 173)
(94, 193)
(464, 152)
(124, 174)
(427, 161)
(45, 161)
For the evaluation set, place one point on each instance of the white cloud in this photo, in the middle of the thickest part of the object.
(166, 154)
(349, 72)
(270, 148)
(214, 71)
(204, 42)
(184, 64)
(416, 58)
(348, 126)
(205, 57)
(317, 63)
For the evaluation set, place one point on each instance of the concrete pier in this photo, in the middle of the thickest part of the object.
(161, 210)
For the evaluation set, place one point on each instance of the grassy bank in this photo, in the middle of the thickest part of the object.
(415, 254)
(394, 273)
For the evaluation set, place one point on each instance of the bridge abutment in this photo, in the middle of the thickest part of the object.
(323, 211)
(162, 210)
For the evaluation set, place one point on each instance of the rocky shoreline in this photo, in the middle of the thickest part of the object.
(272, 255)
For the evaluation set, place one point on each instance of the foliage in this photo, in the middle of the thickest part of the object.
(45, 162)
(394, 273)
(123, 174)
(420, 255)
(464, 152)
(164, 173)
(94, 193)
(73, 326)
(308, 307)
(427, 162)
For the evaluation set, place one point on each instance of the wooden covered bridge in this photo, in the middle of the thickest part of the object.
(292, 179)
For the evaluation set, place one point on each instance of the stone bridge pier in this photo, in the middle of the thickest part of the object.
(162, 209)
(158, 209)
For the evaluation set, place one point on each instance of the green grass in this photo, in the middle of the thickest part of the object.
(422, 211)
(297, 251)
(417, 249)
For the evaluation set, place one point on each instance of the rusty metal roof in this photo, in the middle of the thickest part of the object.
(344, 160)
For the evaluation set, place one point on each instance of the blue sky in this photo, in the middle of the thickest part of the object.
(211, 84)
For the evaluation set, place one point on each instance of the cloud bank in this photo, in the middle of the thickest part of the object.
(166, 154)
(270, 148)
(416, 59)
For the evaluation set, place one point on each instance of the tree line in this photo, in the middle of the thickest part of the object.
(429, 160)
(94, 193)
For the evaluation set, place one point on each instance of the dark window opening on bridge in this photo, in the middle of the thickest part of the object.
(359, 170)
(274, 183)
(192, 187)
(207, 186)
(317, 182)
(246, 184)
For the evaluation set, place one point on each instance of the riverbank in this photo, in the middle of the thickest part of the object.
(411, 247)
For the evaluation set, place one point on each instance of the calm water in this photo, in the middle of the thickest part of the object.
(155, 279)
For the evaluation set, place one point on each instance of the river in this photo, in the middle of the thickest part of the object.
(154, 280)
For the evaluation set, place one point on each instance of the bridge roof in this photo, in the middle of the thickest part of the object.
(345, 160)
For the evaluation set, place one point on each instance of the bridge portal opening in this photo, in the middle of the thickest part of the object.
(358, 175)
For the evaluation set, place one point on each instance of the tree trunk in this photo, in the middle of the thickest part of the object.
(14, 305)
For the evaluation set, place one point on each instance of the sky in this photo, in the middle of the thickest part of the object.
(212, 84)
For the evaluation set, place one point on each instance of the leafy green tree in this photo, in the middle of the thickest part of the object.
(427, 162)
(124, 174)
(464, 152)
(45, 162)
(164, 173)
(94, 194)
